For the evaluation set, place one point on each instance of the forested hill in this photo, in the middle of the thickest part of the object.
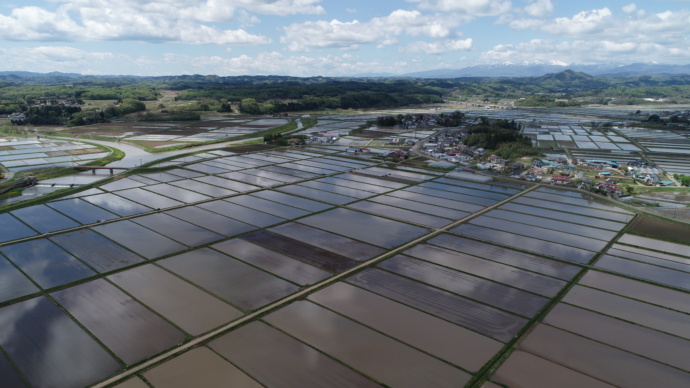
(555, 82)
(272, 94)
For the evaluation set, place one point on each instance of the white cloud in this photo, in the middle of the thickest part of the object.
(599, 35)
(472, 8)
(585, 52)
(424, 31)
(34, 23)
(539, 8)
(69, 59)
(414, 23)
(203, 10)
(666, 28)
(52, 58)
(177, 21)
(438, 47)
(349, 35)
(630, 8)
(323, 34)
(584, 22)
(274, 63)
(138, 27)
(526, 24)
(281, 7)
(246, 19)
(223, 10)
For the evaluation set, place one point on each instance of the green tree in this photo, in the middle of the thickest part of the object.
(250, 106)
(131, 106)
(224, 106)
(268, 108)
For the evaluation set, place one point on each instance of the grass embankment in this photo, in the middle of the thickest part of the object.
(114, 155)
(640, 189)
(308, 122)
(14, 131)
(10, 194)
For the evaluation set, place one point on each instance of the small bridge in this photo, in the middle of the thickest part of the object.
(93, 169)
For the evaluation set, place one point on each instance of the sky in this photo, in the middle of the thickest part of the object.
(333, 38)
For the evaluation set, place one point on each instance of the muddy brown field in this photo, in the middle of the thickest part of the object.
(663, 229)
(248, 148)
(373, 134)
(84, 151)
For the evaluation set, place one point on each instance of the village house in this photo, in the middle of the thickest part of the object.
(561, 180)
(357, 150)
(493, 158)
(610, 188)
(324, 137)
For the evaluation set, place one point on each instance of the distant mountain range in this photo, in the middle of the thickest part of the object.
(508, 70)
(537, 69)
(29, 74)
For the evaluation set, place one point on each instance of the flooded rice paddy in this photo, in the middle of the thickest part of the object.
(409, 279)
(19, 154)
(274, 358)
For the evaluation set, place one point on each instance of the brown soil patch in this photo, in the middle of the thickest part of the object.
(246, 126)
(84, 151)
(6, 148)
(112, 132)
(179, 132)
(419, 162)
(213, 123)
(374, 134)
(117, 129)
(248, 148)
(656, 227)
(155, 144)
(56, 153)
(565, 143)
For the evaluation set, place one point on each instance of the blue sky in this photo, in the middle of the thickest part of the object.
(333, 38)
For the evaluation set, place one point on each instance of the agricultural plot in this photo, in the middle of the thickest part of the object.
(607, 331)
(671, 164)
(655, 261)
(25, 154)
(658, 141)
(551, 117)
(345, 271)
(577, 137)
(615, 156)
(336, 127)
(550, 237)
(369, 137)
(160, 135)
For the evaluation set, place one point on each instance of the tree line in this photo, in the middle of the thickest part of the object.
(453, 119)
(502, 137)
(74, 115)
